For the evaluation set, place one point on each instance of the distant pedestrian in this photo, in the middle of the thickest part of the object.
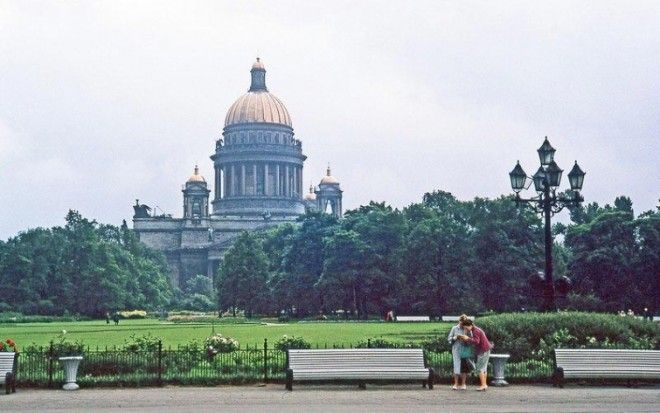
(481, 346)
(107, 317)
(389, 316)
(115, 318)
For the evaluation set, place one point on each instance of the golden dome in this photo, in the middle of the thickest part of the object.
(258, 105)
(196, 177)
(329, 179)
(310, 196)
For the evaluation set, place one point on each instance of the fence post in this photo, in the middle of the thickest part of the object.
(50, 365)
(368, 343)
(160, 363)
(265, 360)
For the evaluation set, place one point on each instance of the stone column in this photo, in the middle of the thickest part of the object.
(295, 181)
(243, 179)
(232, 181)
(277, 179)
(254, 178)
(218, 182)
(266, 186)
(286, 181)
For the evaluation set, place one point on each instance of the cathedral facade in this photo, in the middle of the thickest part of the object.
(258, 183)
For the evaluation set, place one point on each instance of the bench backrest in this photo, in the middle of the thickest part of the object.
(453, 318)
(6, 364)
(365, 359)
(608, 363)
(413, 318)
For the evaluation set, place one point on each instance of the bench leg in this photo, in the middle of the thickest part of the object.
(289, 380)
(8, 378)
(558, 378)
(430, 379)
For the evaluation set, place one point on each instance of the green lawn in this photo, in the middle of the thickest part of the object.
(98, 333)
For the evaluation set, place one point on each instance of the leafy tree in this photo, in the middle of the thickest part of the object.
(243, 275)
(603, 259)
(342, 282)
(302, 264)
(381, 229)
(647, 261)
(506, 244)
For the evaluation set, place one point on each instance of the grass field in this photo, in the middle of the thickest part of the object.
(98, 333)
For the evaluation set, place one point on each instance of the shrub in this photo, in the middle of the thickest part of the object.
(218, 343)
(145, 342)
(15, 317)
(63, 347)
(132, 314)
(292, 342)
(437, 345)
(535, 335)
(383, 343)
(8, 345)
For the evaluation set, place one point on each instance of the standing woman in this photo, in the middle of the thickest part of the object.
(481, 346)
(456, 350)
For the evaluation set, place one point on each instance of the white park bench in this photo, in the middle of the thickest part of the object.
(412, 318)
(605, 364)
(8, 365)
(358, 366)
(453, 318)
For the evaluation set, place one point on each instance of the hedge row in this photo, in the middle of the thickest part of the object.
(533, 336)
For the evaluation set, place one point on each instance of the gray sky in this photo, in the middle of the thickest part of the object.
(105, 102)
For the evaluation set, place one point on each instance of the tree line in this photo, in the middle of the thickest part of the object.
(442, 256)
(439, 256)
(81, 268)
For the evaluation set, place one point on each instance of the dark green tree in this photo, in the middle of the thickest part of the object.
(243, 275)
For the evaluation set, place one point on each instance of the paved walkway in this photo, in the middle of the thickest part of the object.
(334, 398)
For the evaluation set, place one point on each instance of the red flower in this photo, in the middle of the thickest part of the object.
(2, 346)
(11, 342)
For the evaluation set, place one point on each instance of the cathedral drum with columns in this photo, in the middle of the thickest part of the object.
(258, 166)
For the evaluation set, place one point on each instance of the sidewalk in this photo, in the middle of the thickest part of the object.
(332, 398)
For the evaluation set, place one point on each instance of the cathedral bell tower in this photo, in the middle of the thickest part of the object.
(329, 195)
(195, 197)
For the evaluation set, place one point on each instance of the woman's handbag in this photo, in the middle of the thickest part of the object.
(467, 351)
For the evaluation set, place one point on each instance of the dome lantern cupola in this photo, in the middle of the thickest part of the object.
(258, 73)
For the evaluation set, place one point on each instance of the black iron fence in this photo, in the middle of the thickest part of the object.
(40, 367)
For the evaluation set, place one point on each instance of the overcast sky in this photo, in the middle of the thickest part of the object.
(105, 102)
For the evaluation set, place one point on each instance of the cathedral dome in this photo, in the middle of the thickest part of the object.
(196, 177)
(329, 179)
(258, 105)
(310, 196)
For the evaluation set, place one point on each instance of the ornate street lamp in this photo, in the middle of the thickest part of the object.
(546, 180)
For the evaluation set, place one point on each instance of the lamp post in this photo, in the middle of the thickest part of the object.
(548, 202)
